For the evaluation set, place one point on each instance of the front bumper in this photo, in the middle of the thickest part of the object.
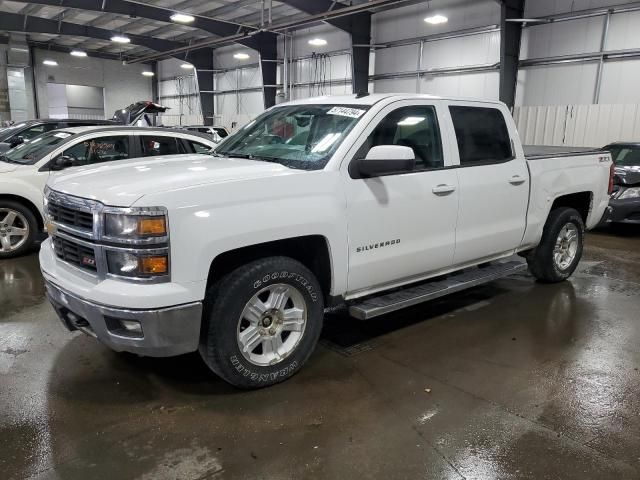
(164, 332)
(623, 211)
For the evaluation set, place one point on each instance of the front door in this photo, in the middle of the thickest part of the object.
(402, 226)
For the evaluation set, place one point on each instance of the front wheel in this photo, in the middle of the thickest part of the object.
(560, 249)
(18, 227)
(261, 322)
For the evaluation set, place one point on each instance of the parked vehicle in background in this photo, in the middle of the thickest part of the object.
(624, 205)
(24, 170)
(25, 131)
(364, 203)
(138, 112)
(217, 134)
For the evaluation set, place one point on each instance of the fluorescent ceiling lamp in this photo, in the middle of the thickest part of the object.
(78, 53)
(49, 62)
(147, 73)
(186, 66)
(120, 39)
(241, 56)
(317, 42)
(182, 18)
(411, 120)
(436, 19)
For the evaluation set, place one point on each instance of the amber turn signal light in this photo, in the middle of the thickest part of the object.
(152, 226)
(153, 265)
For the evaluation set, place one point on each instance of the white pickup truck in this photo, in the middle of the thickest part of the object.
(356, 200)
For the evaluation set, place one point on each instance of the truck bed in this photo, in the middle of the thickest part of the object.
(537, 152)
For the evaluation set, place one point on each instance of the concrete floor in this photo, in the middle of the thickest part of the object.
(526, 381)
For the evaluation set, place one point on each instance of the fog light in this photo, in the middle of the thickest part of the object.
(132, 326)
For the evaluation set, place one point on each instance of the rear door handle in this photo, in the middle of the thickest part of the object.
(517, 180)
(443, 189)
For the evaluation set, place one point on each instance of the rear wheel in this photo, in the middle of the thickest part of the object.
(18, 227)
(560, 249)
(262, 322)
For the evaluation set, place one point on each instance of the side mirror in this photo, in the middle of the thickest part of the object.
(383, 160)
(61, 162)
(15, 141)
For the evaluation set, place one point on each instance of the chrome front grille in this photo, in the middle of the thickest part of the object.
(75, 254)
(64, 215)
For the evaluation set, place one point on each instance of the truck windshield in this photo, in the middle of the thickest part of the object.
(36, 149)
(297, 136)
(625, 156)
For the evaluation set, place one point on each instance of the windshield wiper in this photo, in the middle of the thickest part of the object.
(4, 158)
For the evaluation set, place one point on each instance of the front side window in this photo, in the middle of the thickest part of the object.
(153, 145)
(222, 133)
(415, 127)
(98, 150)
(482, 135)
(298, 136)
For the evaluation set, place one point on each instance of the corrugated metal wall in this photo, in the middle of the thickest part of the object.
(577, 125)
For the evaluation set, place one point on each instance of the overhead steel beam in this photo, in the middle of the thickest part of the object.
(135, 9)
(14, 22)
(510, 35)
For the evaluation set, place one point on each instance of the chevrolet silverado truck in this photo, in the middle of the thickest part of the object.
(373, 202)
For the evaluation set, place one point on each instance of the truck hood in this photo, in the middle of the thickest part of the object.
(123, 182)
(627, 176)
(6, 167)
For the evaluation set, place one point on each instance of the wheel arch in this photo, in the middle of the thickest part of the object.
(580, 201)
(27, 203)
(313, 251)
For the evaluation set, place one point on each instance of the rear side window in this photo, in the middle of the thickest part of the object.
(482, 135)
(99, 150)
(221, 132)
(153, 145)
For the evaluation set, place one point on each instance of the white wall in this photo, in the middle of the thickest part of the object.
(123, 84)
(474, 50)
(178, 90)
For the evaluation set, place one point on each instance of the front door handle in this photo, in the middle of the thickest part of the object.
(517, 180)
(443, 189)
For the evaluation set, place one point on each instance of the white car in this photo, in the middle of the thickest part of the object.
(356, 200)
(216, 133)
(24, 170)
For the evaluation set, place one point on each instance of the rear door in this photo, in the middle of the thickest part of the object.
(494, 183)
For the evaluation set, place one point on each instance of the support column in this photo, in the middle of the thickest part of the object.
(202, 60)
(360, 35)
(268, 49)
(510, 35)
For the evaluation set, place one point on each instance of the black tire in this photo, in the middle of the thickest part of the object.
(32, 225)
(224, 304)
(541, 259)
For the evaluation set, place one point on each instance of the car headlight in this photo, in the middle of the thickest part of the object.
(633, 192)
(138, 227)
(137, 264)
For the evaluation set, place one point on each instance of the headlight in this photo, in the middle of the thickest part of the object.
(633, 192)
(138, 264)
(134, 228)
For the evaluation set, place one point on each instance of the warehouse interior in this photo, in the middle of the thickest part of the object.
(513, 379)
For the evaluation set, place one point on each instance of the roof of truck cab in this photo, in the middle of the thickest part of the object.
(373, 98)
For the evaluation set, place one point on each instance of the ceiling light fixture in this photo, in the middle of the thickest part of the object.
(241, 56)
(182, 18)
(147, 73)
(120, 39)
(50, 63)
(186, 66)
(78, 53)
(318, 42)
(436, 19)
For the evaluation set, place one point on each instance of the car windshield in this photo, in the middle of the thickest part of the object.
(297, 136)
(36, 149)
(10, 131)
(625, 155)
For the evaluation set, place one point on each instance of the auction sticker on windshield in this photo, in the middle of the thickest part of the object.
(346, 112)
